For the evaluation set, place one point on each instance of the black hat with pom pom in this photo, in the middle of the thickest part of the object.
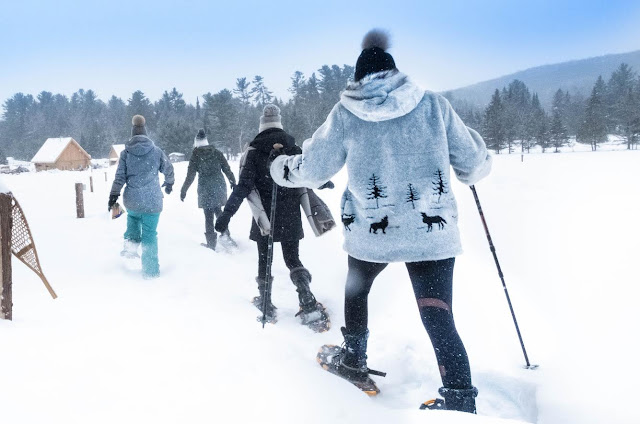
(374, 57)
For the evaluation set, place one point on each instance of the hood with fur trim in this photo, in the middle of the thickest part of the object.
(382, 96)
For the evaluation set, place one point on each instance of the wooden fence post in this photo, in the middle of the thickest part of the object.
(91, 182)
(79, 201)
(6, 220)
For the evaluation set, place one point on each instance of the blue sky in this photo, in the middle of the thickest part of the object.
(116, 47)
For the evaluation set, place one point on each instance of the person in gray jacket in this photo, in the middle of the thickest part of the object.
(398, 143)
(209, 163)
(138, 168)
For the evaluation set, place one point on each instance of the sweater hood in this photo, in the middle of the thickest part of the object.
(267, 138)
(382, 96)
(139, 145)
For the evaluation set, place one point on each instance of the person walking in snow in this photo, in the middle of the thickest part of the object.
(288, 231)
(209, 163)
(140, 162)
(398, 143)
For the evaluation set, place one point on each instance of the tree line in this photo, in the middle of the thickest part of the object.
(229, 117)
(515, 119)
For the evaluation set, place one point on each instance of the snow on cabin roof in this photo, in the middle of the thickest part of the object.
(52, 149)
(118, 148)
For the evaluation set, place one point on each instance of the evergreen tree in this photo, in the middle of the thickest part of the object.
(376, 191)
(260, 93)
(412, 195)
(557, 132)
(594, 127)
(494, 132)
(439, 185)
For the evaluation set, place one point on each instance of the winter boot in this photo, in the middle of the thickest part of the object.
(212, 240)
(130, 249)
(258, 301)
(351, 362)
(301, 278)
(227, 242)
(311, 313)
(463, 400)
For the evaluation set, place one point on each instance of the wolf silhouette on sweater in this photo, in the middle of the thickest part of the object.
(430, 220)
(382, 225)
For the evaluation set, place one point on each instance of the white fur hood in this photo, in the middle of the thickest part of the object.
(382, 96)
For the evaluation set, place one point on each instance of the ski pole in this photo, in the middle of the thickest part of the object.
(272, 220)
(504, 285)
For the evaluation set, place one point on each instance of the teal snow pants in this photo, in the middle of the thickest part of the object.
(141, 228)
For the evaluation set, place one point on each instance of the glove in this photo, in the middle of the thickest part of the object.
(168, 188)
(275, 152)
(329, 184)
(222, 223)
(183, 194)
(112, 201)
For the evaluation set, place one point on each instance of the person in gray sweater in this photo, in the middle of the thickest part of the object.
(138, 168)
(398, 143)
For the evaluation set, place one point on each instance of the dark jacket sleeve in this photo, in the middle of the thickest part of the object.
(121, 174)
(166, 167)
(191, 173)
(244, 186)
(226, 168)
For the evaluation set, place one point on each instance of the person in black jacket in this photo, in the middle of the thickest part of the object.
(288, 221)
(209, 163)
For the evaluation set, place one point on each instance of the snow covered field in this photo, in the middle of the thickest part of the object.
(186, 348)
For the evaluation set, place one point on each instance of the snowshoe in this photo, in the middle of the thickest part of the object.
(317, 319)
(130, 250)
(271, 315)
(433, 404)
(227, 243)
(463, 400)
(329, 358)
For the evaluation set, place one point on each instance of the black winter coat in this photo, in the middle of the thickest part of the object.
(288, 222)
(207, 162)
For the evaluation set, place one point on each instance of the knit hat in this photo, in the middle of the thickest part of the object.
(270, 118)
(374, 57)
(201, 139)
(138, 123)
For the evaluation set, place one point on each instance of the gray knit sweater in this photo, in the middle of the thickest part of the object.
(398, 143)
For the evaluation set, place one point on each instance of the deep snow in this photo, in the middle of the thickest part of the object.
(186, 348)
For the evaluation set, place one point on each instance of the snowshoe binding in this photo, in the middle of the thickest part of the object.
(316, 318)
(433, 404)
(330, 359)
(463, 400)
(271, 315)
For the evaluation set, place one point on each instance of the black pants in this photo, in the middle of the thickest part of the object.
(290, 251)
(432, 285)
(208, 218)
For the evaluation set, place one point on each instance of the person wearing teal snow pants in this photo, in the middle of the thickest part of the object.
(141, 229)
(138, 168)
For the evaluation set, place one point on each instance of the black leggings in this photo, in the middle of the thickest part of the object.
(432, 285)
(208, 218)
(290, 251)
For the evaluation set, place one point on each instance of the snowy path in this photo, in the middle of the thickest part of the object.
(186, 348)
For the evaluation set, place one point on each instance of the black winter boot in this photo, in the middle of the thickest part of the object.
(301, 278)
(351, 362)
(463, 400)
(212, 240)
(258, 301)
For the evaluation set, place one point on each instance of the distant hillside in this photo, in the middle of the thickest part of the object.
(577, 76)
